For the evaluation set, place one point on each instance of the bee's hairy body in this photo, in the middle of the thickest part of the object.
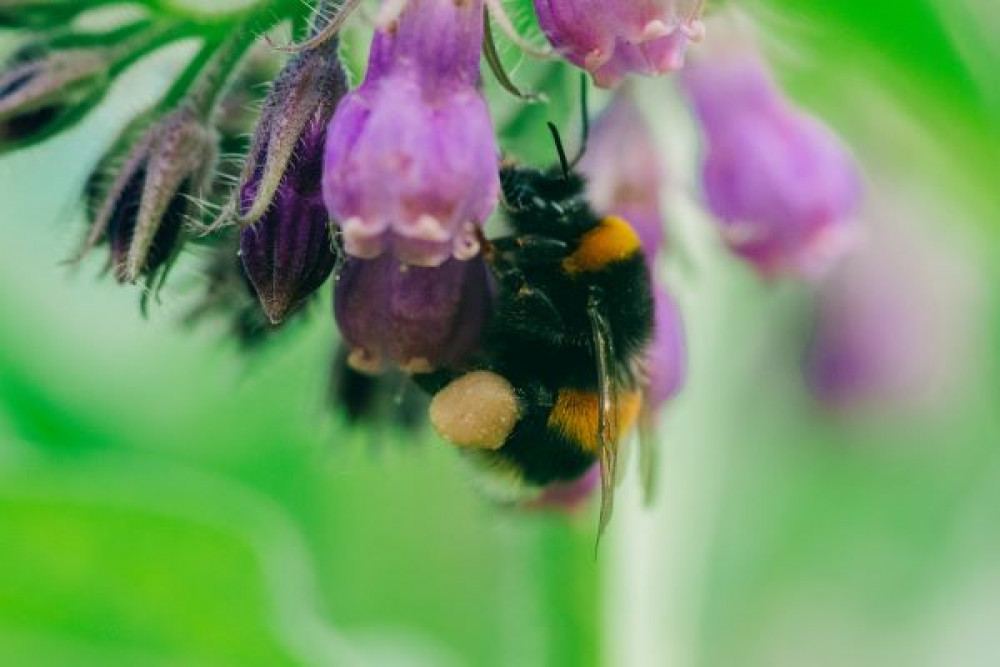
(541, 338)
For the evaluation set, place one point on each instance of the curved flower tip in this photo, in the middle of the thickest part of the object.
(612, 40)
(569, 496)
(625, 173)
(411, 160)
(416, 318)
(666, 359)
(783, 186)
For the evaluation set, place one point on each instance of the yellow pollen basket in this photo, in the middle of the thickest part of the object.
(613, 240)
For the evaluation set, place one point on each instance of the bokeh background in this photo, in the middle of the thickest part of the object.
(167, 500)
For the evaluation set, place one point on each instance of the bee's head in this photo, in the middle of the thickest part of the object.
(547, 202)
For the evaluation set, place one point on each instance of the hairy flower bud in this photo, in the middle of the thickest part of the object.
(42, 93)
(614, 39)
(418, 318)
(143, 213)
(287, 249)
(782, 185)
(412, 161)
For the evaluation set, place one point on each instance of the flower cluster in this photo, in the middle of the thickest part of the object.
(388, 187)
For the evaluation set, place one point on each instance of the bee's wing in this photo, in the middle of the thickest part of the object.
(607, 419)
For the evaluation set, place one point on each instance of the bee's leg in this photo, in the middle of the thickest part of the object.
(477, 411)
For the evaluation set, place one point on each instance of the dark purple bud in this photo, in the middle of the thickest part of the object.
(418, 318)
(48, 91)
(287, 250)
(288, 253)
(297, 110)
(144, 211)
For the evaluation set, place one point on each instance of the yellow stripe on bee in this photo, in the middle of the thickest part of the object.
(613, 240)
(575, 415)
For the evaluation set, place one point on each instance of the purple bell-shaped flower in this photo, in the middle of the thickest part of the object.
(784, 188)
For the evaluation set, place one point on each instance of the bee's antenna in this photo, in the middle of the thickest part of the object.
(563, 162)
(585, 127)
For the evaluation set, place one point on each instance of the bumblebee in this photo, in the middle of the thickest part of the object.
(558, 381)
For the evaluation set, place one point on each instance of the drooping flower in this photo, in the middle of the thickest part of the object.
(411, 157)
(286, 246)
(782, 185)
(894, 324)
(417, 318)
(614, 39)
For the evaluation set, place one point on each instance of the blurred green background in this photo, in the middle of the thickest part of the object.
(165, 500)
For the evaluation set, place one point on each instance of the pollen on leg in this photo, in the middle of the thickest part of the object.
(478, 411)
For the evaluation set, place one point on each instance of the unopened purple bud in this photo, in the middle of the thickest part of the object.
(782, 185)
(613, 39)
(49, 90)
(625, 173)
(143, 213)
(666, 359)
(411, 159)
(288, 254)
(418, 318)
(287, 250)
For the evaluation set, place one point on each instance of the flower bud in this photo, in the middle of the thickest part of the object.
(45, 93)
(782, 185)
(419, 318)
(411, 158)
(287, 251)
(614, 39)
(143, 213)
